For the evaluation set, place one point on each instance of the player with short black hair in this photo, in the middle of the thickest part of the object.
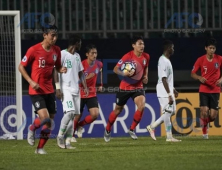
(42, 57)
(210, 79)
(131, 86)
(166, 92)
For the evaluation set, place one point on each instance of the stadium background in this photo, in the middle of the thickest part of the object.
(109, 25)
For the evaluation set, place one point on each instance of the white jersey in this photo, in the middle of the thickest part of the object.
(70, 79)
(165, 69)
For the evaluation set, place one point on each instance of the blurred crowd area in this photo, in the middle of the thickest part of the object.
(118, 18)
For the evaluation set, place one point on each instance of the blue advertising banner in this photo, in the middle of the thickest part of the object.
(95, 129)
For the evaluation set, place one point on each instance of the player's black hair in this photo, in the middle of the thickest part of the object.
(167, 44)
(49, 28)
(90, 47)
(73, 39)
(210, 41)
(135, 39)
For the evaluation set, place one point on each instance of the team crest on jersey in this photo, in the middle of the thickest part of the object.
(37, 104)
(24, 59)
(216, 65)
(120, 62)
(54, 56)
(144, 62)
(97, 70)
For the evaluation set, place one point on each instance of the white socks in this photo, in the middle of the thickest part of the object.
(67, 117)
(168, 126)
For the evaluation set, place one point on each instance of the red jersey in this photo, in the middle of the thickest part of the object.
(91, 83)
(141, 63)
(42, 64)
(210, 70)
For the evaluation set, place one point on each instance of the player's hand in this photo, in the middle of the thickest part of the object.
(219, 82)
(202, 79)
(63, 70)
(34, 85)
(86, 91)
(145, 80)
(170, 100)
(100, 88)
(175, 93)
(59, 94)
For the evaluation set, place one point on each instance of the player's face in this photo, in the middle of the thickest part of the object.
(139, 46)
(171, 49)
(210, 50)
(92, 54)
(51, 37)
(78, 45)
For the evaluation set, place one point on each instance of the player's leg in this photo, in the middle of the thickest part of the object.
(139, 99)
(69, 110)
(92, 105)
(70, 129)
(204, 110)
(46, 115)
(121, 99)
(39, 104)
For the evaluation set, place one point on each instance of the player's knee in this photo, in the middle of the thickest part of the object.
(70, 114)
(118, 110)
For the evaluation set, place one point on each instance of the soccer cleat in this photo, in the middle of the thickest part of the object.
(31, 137)
(68, 146)
(61, 142)
(173, 140)
(205, 136)
(80, 131)
(152, 132)
(107, 136)
(132, 134)
(40, 151)
(73, 139)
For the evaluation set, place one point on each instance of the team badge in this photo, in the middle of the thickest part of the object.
(24, 59)
(216, 65)
(54, 57)
(97, 71)
(37, 104)
(120, 62)
(144, 62)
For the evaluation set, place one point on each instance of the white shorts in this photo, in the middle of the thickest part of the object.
(164, 102)
(71, 102)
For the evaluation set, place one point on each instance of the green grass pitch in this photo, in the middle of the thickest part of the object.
(193, 153)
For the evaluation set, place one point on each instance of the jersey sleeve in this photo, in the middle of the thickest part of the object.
(196, 66)
(58, 60)
(220, 62)
(162, 68)
(29, 57)
(122, 60)
(147, 56)
(63, 56)
(100, 65)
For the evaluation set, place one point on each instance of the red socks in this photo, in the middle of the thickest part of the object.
(88, 119)
(203, 123)
(111, 120)
(44, 136)
(36, 124)
(136, 119)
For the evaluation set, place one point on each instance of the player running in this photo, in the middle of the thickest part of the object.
(42, 57)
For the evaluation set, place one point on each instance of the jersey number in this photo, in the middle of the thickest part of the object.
(205, 69)
(69, 104)
(41, 63)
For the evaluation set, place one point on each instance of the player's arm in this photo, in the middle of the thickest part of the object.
(83, 81)
(196, 67)
(145, 75)
(121, 73)
(59, 94)
(219, 82)
(58, 63)
(101, 81)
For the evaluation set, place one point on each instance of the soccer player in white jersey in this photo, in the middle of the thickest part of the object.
(67, 89)
(166, 92)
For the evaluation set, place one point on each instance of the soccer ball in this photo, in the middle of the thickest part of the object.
(128, 66)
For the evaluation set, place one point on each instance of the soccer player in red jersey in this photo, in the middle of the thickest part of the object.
(42, 57)
(92, 68)
(131, 86)
(210, 79)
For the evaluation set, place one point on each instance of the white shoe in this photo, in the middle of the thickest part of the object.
(80, 131)
(40, 151)
(152, 132)
(107, 136)
(68, 146)
(73, 139)
(173, 140)
(31, 137)
(61, 142)
(205, 136)
(132, 134)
